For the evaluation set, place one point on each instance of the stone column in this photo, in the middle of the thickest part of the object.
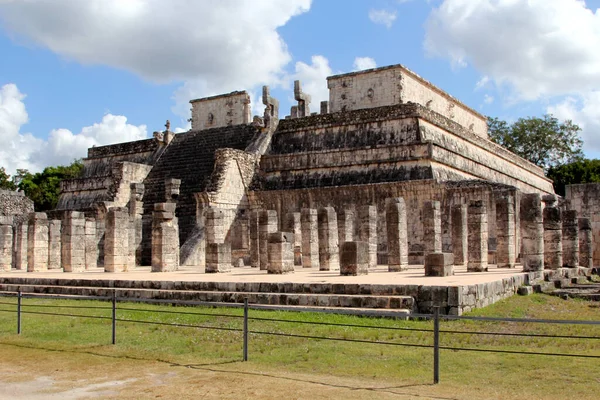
(91, 244)
(346, 221)
(552, 216)
(218, 257)
(397, 234)
(432, 228)
(367, 231)
(329, 256)
(74, 247)
(6, 243)
(54, 246)
(460, 247)
(254, 239)
(310, 238)
(116, 240)
(281, 253)
(478, 237)
(506, 253)
(292, 224)
(21, 247)
(354, 258)
(532, 232)
(439, 264)
(570, 231)
(215, 225)
(165, 238)
(136, 212)
(37, 242)
(586, 243)
(268, 224)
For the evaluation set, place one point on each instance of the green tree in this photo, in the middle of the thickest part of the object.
(545, 141)
(44, 187)
(5, 181)
(579, 171)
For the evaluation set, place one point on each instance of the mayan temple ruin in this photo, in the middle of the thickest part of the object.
(391, 172)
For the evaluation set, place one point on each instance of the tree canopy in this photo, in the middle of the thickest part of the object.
(545, 141)
(44, 187)
(579, 171)
(5, 181)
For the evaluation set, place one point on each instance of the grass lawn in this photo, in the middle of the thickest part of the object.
(151, 361)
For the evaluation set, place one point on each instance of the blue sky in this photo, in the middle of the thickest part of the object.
(81, 73)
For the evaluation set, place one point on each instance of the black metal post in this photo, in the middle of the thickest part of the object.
(246, 329)
(114, 316)
(19, 312)
(436, 345)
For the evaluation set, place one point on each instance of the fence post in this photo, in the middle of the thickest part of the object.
(114, 316)
(436, 345)
(19, 312)
(245, 329)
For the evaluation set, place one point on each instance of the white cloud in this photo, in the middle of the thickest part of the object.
(487, 99)
(483, 82)
(362, 63)
(585, 112)
(313, 78)
(382, 17)
(23, 150)
(215, 47)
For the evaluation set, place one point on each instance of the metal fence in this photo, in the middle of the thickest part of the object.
(435, 332)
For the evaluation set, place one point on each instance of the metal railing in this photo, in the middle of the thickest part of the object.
(436, 317)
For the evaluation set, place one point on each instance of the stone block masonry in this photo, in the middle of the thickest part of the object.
(397, 234)
(585, 243)
(281, 253)
(505, 232)
(91, 244)
(74, 242)
(310, 238)
(21, 247)
(254, 238)
(165, 238)
(218, 257)
(292, 224)
(37, 242)
(346, 225)
(354, 258)
(267, 224)
(6, 246)
(367, 231)
(460, 246)
(570, 233)
(478, 237)
(553, 250)
(432, 227)
(439, 264)
(329, 258)
(54, 244)
(532, 232)
(116, 240)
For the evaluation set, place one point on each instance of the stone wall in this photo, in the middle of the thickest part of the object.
(222, 110)
(585, 198)
(16, 205)
(396, 85)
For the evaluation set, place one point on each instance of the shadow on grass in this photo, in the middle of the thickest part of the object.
(210, 367)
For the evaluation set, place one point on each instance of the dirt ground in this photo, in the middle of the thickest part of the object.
(27, 373)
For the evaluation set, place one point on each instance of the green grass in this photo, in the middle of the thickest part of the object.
(513, 374)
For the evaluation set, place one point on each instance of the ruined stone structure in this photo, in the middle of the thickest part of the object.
(392, 171)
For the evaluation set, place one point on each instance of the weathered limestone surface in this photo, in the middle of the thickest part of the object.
(329, 259)
(116, 240)
(37, 242)
(281, 253)
(367, 231)
(478, 237)
(91, 243)
(460, 245)
(346, 225)
(268, 223)
(432, 228)
(570, 234)
(310, 238)
(532, 232)
(292, 224)
(75, 242)
(54, 244)
(354, 258)
(218, 257)
(553, 251)
(165, 238)
(21, 247)
(222, 110)
(397, 234)
(15, 205)
(505, 232)
(254, 238)
(586, 243)
(6, 246)
(136, 212)
(439, 264)
(585, 198)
